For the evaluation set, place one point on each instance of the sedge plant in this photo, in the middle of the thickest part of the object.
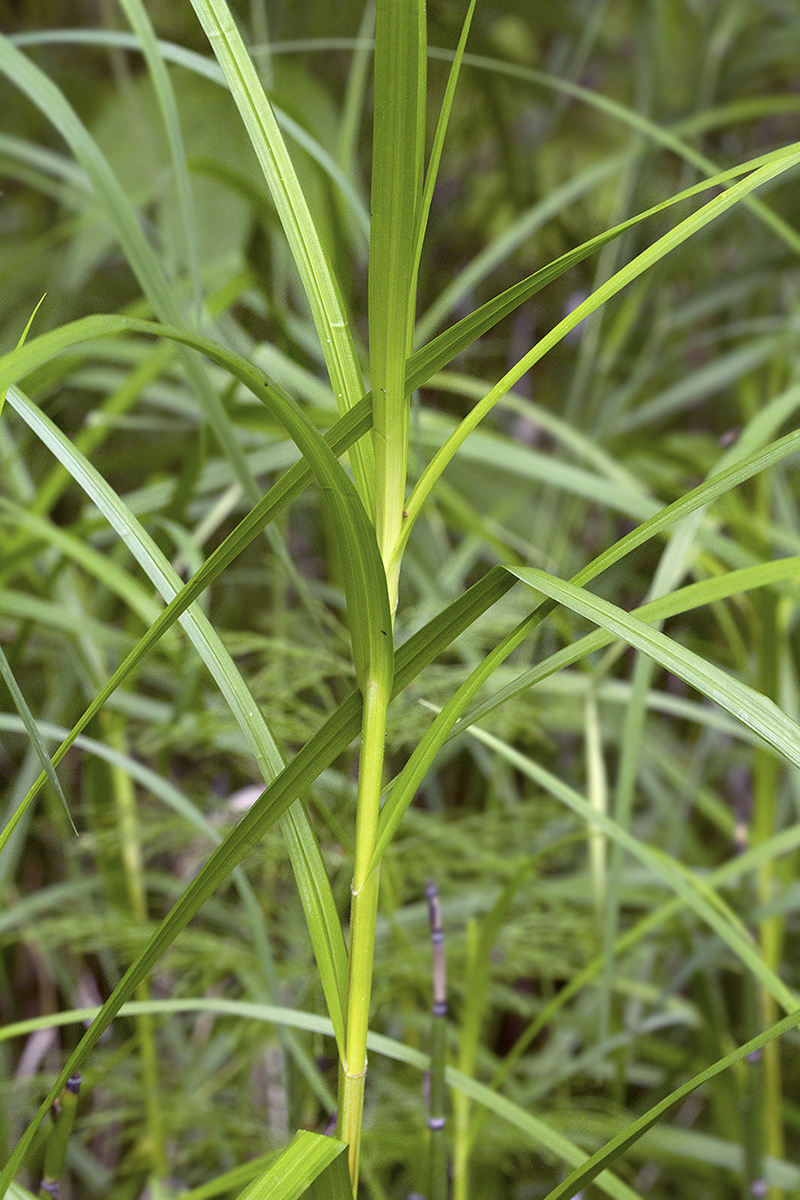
(374, 500)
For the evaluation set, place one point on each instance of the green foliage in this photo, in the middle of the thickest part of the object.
(399, 483)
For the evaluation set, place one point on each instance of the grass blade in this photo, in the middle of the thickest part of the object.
(312, 1166)
(397, 167)
(437, 1145)
(143, 259)
(604, 1158)
(685, 599)
(307, 250)
(32, 730)
(21, 342)
(434, 161)
(140, 22)
(781, 162)
(758, 713)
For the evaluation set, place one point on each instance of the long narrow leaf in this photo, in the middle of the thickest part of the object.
(783, 161)
(140, 23)
(434, 161)
(312, 1165)
(320, 285)
(21, 342)
(685, 599)
(397, 165)
(757, 712)
(32, 729)
(143, 259)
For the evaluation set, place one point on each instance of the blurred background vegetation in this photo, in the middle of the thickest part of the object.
(634, 407)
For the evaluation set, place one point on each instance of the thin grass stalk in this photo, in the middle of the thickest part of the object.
(437, 1145)
(398, 147)
(364, 912)
(481, 940)
(671, 568)
(355, 95)
(597, 790)
(752, 1076)
(631, 739)
(772, 929)
(133, 871)
(139, 21)
(468, 1042)
(439, 138)
(7, 676)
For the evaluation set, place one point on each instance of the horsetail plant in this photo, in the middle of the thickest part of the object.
(372, 513)
(437, 1151)
(58, 1141)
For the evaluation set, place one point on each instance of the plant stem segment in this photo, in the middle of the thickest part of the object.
(397, 171)
(362, 923)
(437, 1152)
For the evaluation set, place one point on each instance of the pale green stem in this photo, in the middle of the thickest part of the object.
(772, 930)
(391, 461)
(362, 924)
(598, 798)
(133, 867)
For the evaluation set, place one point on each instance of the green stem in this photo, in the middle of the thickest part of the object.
(772, 929)
(364, 910)
(133, 872)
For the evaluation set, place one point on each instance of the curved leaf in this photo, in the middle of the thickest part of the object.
(782, 161)
(312, 1162)
(757, 712)
(446, 723)
(685, 599)
(363, 573)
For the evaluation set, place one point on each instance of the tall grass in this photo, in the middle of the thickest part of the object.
(565, 754)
